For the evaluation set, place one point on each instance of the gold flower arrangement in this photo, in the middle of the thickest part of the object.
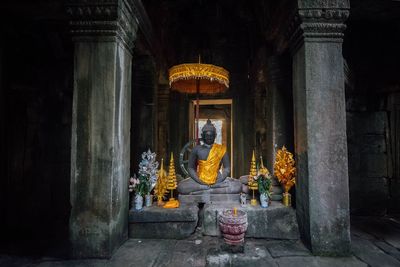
(285, 171)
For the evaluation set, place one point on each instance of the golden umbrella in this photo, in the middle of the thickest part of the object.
(198, 78)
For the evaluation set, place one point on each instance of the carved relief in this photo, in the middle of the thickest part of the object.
(92, 12)
(103, 19)
(323, 24)
(327, 30)
(324, 14)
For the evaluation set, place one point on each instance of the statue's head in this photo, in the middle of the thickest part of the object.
(208, 133)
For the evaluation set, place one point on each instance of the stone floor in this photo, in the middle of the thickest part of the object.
(375, 242)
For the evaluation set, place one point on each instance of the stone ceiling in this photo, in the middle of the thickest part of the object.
(186, 28)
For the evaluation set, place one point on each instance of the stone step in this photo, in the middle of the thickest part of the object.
(276, 221)
(160, 223)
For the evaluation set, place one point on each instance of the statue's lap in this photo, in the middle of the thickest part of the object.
(190, 187)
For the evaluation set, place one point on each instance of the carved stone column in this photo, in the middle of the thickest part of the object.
(103, 32)
(322, 192)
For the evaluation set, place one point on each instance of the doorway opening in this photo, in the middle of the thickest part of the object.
(219, 111)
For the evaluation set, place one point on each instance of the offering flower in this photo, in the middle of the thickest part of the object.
(285, 171)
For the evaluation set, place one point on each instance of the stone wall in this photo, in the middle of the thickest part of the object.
(394, 152)
(373, 140)
(144, 104)
(368, 161)
(372, 104)
(3, 164)
(36, 127)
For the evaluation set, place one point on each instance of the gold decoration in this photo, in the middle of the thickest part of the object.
(252, 183)
(285, 171)
(287, 199)
(161, 186)
(184, 77)
(171, 185)
(198, 78)
(263, 170)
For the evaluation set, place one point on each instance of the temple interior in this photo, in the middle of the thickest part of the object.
(81, 100)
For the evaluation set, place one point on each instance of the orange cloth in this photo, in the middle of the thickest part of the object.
(208, 169)
(171, 204)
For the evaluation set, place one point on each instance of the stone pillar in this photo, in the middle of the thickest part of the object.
(103, 33)
(279, 106)
(322, 191)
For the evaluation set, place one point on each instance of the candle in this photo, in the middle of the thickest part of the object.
(234, 211)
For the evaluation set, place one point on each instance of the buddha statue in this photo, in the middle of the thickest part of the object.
(204, 167)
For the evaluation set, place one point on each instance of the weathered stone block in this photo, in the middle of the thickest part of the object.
(395, 189)
(370, 196)
(374, 196)
(375, 165)
(373, 144)
(157, 222)
(209, 198)
(354, 161)
(356, 202)
(369, 122)
(252, 255)
(287, 248)
(163, 230)
(276, 221)
(368, 162)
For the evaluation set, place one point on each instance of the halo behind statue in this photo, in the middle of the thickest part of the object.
(184, 155)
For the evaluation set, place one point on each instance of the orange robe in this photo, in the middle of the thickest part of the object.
(208, 169)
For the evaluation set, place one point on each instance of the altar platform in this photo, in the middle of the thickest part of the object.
(157, 222)
(274, 222)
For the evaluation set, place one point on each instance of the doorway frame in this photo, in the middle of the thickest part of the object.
(204, 102)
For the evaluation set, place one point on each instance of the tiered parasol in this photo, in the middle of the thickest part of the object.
(198, 78)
